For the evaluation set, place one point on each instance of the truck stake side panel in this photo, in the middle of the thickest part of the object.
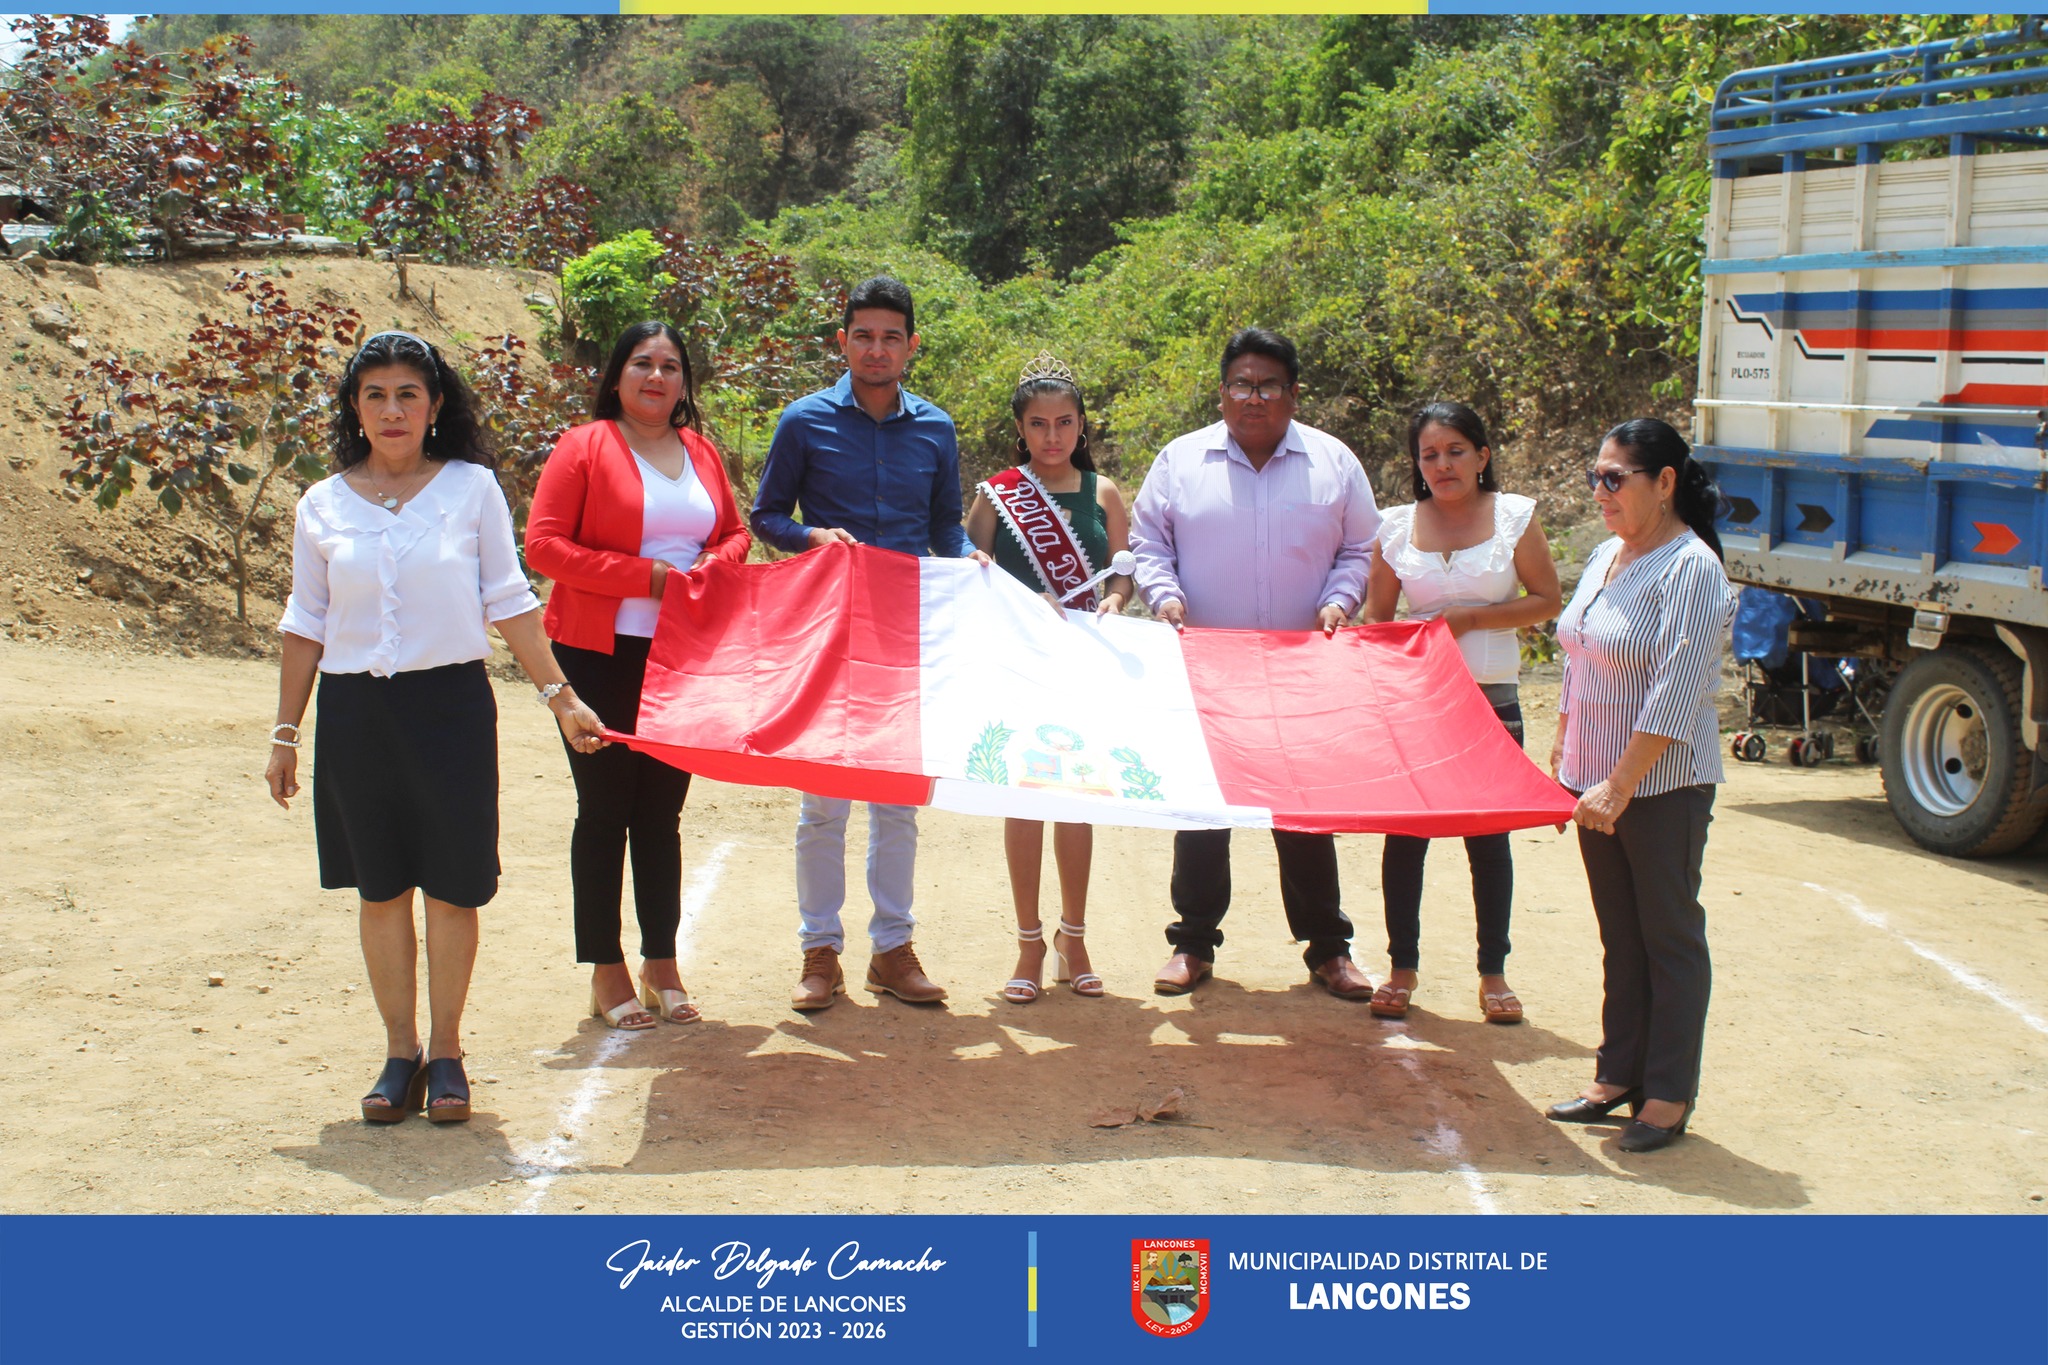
(1873, 393)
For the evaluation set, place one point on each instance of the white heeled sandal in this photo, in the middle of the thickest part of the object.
(1087, 983)
(617, 1015)
(1020, 990)
(673, 1006)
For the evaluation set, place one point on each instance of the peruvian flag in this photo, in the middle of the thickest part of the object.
(856, 672)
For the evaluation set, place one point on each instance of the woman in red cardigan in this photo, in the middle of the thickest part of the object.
(625, 502)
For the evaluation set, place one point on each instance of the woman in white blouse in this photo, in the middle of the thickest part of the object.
(1639, 739)
(401, 560)
(1474, 556)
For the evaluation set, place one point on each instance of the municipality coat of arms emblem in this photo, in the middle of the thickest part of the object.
(1169, 1284)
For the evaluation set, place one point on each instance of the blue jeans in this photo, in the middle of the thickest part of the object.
(821, 871)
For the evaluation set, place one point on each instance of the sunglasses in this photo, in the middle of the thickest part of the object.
(1610, 479)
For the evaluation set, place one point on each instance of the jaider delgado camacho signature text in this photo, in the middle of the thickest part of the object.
(729, 1259)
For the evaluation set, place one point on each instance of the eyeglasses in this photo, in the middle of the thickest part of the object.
(1610, 479)
(1243, 390)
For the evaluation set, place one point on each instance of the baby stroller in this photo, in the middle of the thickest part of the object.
(1787, 690)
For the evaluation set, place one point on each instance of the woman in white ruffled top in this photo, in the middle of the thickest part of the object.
(1474, 556)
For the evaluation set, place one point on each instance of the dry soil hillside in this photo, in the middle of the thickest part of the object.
(136, 577)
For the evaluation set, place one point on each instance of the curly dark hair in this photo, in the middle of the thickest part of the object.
(1044, 387)
(456, 433)
(605, 404)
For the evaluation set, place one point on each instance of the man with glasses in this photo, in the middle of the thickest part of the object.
(1256, 523)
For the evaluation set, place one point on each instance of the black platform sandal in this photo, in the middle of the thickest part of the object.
(447, 1080)
(402, 1087)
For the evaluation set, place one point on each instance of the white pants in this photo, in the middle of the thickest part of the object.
(821, 871)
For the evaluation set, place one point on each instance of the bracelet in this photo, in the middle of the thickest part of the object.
(550, 692)
(291, 743)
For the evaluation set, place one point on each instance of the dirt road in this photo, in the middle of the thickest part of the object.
(1878, 1040)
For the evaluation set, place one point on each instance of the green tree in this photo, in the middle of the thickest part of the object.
(1033, 136)
(546, 60)
(820, 83)
(635, 155)
(742, 150)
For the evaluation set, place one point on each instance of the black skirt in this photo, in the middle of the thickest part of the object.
(405, 784)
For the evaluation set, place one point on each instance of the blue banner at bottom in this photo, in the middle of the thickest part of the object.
(654, 1288)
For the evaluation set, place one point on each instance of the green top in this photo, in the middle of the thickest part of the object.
(1084, 518)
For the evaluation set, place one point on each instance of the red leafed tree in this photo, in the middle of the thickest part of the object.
(529, 406)
(444, 191)
(249, 402)
(169, 140)
(747, 314)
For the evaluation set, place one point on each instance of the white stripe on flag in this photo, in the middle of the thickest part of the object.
(1083, 720)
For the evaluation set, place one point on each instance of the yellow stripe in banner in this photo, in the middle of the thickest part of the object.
(1034, 1289)
(1023, 7)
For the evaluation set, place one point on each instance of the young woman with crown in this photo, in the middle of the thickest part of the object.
(1050, 521)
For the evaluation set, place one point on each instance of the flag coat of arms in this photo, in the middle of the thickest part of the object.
(856, 672)
(1169, 1284)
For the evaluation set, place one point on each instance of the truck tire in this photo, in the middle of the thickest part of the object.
(1955, 769)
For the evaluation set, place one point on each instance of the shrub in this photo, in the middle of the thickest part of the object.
(612, 286)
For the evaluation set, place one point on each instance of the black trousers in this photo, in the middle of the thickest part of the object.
(622, 797)
(1493, 882)
(1645, 880)
(1308, 892)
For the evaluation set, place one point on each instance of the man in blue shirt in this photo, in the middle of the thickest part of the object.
(869, 464)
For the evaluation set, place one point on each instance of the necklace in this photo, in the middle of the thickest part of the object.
(388, 501)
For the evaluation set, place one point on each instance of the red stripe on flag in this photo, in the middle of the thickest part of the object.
(1379, 729)
(821, 779)
(791, 668)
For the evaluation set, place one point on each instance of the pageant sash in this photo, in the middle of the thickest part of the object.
(1049, 544)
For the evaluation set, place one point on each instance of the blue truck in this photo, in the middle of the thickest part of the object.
(1873, 398)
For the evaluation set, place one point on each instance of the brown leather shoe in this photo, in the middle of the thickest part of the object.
(822, 980)
(897, 972)
(1181, 974)
(1340, 977)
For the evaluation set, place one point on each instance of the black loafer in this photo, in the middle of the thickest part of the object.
(1579, 1109)
(1648, 1137)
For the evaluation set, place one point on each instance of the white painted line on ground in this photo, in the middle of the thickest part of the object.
(1447, 1142)
(540, 1165)
(1963, 975)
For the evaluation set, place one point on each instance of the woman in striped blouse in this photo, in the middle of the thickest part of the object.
(1638, 739)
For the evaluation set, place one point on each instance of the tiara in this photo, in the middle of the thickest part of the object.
(1045, 365)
